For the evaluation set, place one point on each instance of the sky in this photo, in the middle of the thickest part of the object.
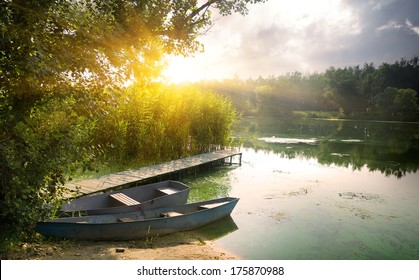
(284, 36)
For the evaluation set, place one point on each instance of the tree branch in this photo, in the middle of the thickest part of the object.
(204, 6)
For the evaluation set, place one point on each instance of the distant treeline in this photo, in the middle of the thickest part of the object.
(387, 92)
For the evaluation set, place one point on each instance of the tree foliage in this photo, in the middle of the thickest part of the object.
(64, 65)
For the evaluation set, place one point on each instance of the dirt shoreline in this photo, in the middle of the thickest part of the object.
(178, 246)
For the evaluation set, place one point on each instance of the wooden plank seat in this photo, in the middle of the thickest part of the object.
(127, 220)
(120, 199)
(212, 205)
(170, 214)
(166, 190)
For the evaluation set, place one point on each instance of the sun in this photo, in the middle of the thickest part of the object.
(179, 70)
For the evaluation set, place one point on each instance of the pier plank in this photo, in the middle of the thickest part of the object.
(133, 176)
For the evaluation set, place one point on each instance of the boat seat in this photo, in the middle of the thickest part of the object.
(170, 214)
(127, 219)
(124, 220)
(120, 199)
(166, 190)
(211, 205)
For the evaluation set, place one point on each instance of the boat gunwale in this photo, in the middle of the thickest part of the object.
(228, 200)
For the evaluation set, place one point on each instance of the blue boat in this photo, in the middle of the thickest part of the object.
(139, 224)
(162, 194)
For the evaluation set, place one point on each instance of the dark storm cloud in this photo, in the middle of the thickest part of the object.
(389, 33)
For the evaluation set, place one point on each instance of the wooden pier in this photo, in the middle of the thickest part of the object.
(155, 172)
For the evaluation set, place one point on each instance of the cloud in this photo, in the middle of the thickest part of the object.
(379, 4)
(391, 25)
(281, 36)
(411, 27)
(407, 26)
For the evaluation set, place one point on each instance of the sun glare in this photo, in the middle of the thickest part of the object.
(179, 69)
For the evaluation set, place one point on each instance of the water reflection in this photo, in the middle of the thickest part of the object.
(389, 147)
(217, 229)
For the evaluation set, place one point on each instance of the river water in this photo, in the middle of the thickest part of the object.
(319, 189)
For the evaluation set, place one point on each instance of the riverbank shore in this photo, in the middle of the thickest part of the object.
(178, 246)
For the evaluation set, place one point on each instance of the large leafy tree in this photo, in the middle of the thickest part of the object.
(59, 61)
(50, 41)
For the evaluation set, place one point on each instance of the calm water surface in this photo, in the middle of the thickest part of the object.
(316, 189)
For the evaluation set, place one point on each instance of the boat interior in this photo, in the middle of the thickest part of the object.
(125, 197)
(167, 212)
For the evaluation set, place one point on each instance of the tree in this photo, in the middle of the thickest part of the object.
(48, 41)
(62, 63)
(406, 103)
(384, 102)
(345, 86)
(397, 103)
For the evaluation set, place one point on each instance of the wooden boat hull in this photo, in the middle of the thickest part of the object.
(143, 197)
(141, 224)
